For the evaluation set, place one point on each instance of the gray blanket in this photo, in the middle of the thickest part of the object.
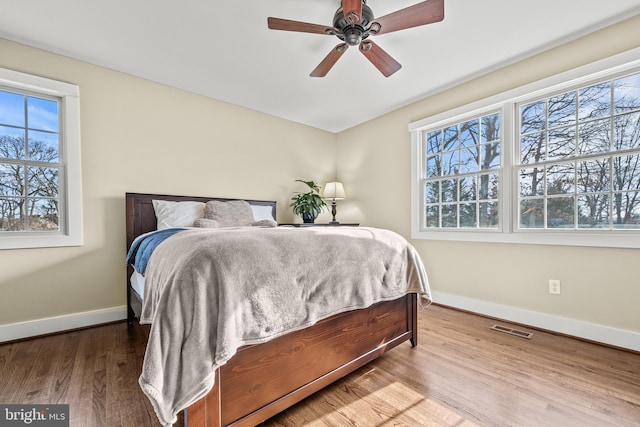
(209, 292)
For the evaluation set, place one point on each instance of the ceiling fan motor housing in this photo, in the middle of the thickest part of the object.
(353, 33)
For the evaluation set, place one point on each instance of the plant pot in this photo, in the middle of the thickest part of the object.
(308, 218)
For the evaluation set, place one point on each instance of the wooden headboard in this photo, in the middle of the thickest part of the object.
(141, 218)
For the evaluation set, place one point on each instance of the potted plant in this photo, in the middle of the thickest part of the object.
(309, 204)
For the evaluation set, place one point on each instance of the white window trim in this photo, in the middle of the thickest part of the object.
(506, 100)
(71, 190)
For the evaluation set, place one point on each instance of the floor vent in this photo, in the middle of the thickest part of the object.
(515, 332)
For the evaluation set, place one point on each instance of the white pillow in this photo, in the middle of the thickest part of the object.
(261, 212)
(177, 214)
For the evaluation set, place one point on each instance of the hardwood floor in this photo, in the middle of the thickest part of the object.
(461, 374)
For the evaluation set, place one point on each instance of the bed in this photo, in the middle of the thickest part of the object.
(261, 380)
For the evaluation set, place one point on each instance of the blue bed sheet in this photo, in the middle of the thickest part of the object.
(144, 245)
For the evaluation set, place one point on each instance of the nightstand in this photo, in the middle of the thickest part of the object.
(302, 224)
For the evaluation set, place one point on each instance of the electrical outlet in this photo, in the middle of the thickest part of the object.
(554, 286)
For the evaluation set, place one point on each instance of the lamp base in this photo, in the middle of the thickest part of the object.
(333, 212)
(333, 223)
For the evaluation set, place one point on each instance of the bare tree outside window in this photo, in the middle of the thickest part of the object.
(29, 163)
(580, 158)
(462, 163)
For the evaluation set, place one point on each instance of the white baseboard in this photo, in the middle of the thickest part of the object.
(32, 328)
(590, 331)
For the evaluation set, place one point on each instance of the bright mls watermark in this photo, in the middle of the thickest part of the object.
(34, 415)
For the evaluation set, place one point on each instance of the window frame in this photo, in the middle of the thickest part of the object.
(624, 63)
(70, 183)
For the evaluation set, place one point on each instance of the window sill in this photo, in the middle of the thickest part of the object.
(608, 239)
(39, 241)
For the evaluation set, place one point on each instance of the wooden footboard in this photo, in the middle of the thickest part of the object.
(263, 380)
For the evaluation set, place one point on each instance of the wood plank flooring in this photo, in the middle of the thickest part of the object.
(461, 374)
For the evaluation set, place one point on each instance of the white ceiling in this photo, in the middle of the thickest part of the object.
(223, 49)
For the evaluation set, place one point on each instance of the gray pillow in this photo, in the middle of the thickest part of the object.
(234, 213)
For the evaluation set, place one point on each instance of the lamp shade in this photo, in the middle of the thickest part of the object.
(333, 190)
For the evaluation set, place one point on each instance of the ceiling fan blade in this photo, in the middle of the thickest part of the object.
(352, 7)
(427, 12)
(379, 58)
(302, 27)
(329, 61)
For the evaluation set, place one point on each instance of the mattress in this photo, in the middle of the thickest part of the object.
(137, 284)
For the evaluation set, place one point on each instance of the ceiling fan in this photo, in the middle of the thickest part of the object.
(354, 22)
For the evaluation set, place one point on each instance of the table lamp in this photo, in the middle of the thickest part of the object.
(333, 191)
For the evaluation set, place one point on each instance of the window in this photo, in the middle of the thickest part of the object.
(555, 162)
(39, 162)
(462, 174)
(579, 161)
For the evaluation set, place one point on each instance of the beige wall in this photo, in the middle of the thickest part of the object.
(600, 286)
(140, 136)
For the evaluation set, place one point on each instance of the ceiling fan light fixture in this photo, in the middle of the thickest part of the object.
(353, 36)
